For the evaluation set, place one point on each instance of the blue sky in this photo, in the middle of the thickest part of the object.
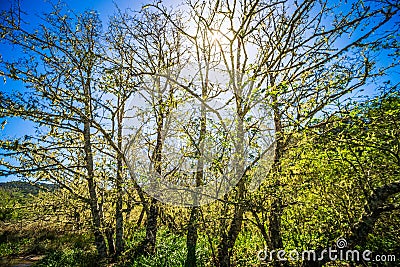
(104, 7)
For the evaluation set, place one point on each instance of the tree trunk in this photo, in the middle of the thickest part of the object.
(151, 228)
(274, 230)
(375, 206)
(191, 239)
(119, 219)
(110, 241)
(228, 240)
(96, 217)
(149, 244)
(139, 221)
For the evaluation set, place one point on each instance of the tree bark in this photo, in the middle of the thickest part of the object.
(228, 240)
(372, 210)
(151, 228)
(119, 219)
(94, 207)
(191, 240)
(274, 230)
(110, 241)
(153, 212)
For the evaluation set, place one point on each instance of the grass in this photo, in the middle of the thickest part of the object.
(76, 248)
(73, 257)
(61, 248)
(170, 250)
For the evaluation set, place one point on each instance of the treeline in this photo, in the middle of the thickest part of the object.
(226, 122)
(27, 188)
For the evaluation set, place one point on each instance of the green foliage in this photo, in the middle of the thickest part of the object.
(16, 247)
(170, 250)
(332, 172)
(17, 199)
(69, 257)
(10, 200)
(248, 243)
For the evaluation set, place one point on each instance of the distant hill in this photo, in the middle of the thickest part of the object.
(27, 188)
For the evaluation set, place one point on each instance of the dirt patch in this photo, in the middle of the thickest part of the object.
(20, 261)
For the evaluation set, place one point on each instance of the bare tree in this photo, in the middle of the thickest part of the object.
(152, 50)
(61, 71)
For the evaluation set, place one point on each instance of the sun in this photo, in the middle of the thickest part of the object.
(216, 36)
